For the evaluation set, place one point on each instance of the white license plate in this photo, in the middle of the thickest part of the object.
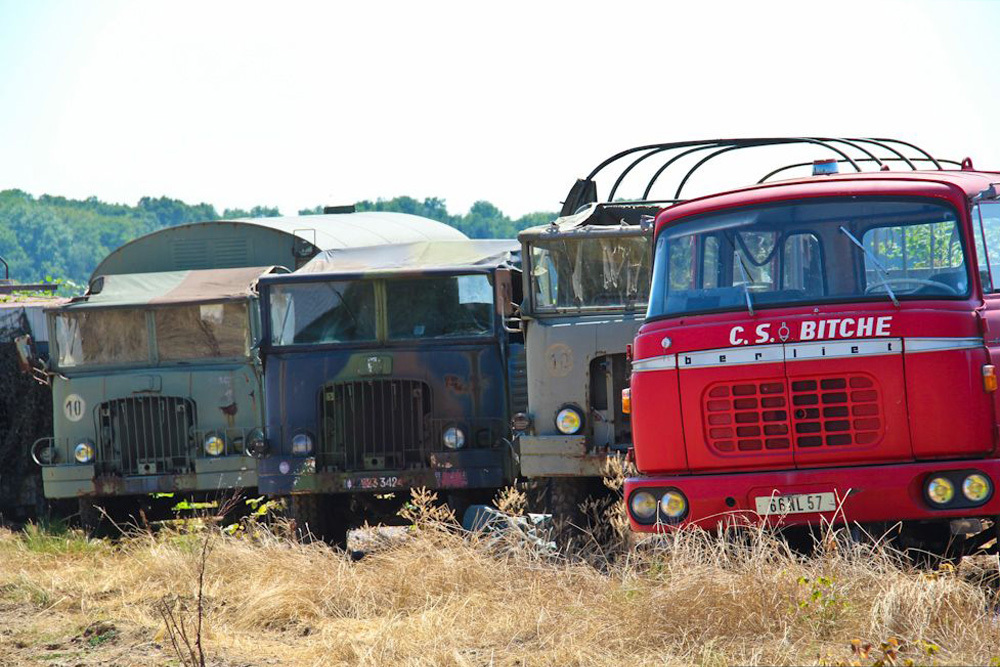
(798, 503)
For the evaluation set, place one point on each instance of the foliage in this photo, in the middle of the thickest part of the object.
(55, 236)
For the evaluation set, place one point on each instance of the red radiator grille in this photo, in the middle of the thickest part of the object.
(747, 416)
(836, 411)
(766, 414)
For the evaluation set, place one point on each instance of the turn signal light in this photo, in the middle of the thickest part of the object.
(627, 401)
(990, 378)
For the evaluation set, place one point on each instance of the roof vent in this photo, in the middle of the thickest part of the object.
(339, 210)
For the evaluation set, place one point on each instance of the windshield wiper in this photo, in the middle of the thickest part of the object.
(882, 272)
(746, 282)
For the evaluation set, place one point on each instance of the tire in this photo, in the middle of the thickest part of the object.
(97, 523)
(318, 516)
(562, 498)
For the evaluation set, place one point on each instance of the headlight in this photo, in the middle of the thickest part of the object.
(302, 444)
(256, 445)
(940, 490)
(643, 505)
(84, 452)
(977, 487)
(214, 444)
(569, 421)
(673, 504)
(453, 438)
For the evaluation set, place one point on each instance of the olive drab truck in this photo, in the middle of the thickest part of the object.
(388, 369)
(156, 375)
(824, 349)
(587, 282)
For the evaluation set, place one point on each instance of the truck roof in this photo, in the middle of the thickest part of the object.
(889, 183)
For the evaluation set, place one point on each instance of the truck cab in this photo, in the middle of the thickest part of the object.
(823, 350)
(387, 369)
(156, 389)
(587, 287)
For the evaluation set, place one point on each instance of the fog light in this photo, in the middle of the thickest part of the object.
(214, 445)
(256, 446)
(940, 490)
(520, 422)
(302, 444)
(453, 438)
(569, 421)
(673, 504)
(976, 487)
(643, 505)
(84, 452)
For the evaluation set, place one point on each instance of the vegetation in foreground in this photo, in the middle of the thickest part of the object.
(435, 595)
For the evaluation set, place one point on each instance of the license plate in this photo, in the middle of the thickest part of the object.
(798, 503)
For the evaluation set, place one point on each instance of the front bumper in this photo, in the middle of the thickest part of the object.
(867, 494)
(227, 472)
(559, 456)
(463, 469)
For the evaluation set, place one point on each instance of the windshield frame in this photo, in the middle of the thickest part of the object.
(152, 353)
(379, 277)
(582, 233)
(961, 223)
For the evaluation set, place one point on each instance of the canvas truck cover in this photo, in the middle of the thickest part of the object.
(284, 241)
(420, 256)
(171, 287)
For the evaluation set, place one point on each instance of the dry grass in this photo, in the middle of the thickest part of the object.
(441, 597)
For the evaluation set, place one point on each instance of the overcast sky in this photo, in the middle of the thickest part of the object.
(295, 104)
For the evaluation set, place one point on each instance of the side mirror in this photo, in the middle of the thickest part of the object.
(503, 288)
(26, 357)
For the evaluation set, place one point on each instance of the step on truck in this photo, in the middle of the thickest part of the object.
(389, 369)
(823, 350)
(587, 283)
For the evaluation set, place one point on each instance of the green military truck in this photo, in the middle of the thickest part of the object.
(156, 377)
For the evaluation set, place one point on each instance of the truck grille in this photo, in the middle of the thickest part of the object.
(147, 434)
(375, 424)
(827, 411)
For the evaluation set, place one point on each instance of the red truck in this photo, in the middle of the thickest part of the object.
(824, 349)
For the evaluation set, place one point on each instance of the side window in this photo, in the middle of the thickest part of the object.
(989, 257)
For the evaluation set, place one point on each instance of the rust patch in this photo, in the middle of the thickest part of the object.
(230, 412)
(455, 384)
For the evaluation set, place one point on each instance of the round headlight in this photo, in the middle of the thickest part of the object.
(453, 438)
(214, 444)
(976, 487)
(84, 452)
(569, 421)
(643, 505)
(940, 490)
(256, 445)
(673, 504)
(302, 444)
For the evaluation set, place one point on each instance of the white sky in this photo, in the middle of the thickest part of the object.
(296, 104)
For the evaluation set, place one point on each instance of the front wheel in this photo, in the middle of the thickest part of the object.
(320, 516)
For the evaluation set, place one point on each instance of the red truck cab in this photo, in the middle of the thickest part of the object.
(823, 350)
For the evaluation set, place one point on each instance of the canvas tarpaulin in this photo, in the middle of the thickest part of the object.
(425, 255)
(171, 287)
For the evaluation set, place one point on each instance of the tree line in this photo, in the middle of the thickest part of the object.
(50, 237)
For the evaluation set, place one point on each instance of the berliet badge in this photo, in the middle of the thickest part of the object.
(783, 332)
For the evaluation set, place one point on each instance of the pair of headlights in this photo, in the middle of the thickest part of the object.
(941, 489)
(671, 503)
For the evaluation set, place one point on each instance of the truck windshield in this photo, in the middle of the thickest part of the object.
(602, 273)
(329, 312)
(805, 252)
(439, 307)
(100, 337)
(202, 331)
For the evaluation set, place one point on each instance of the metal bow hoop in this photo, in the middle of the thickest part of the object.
(856, 152)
